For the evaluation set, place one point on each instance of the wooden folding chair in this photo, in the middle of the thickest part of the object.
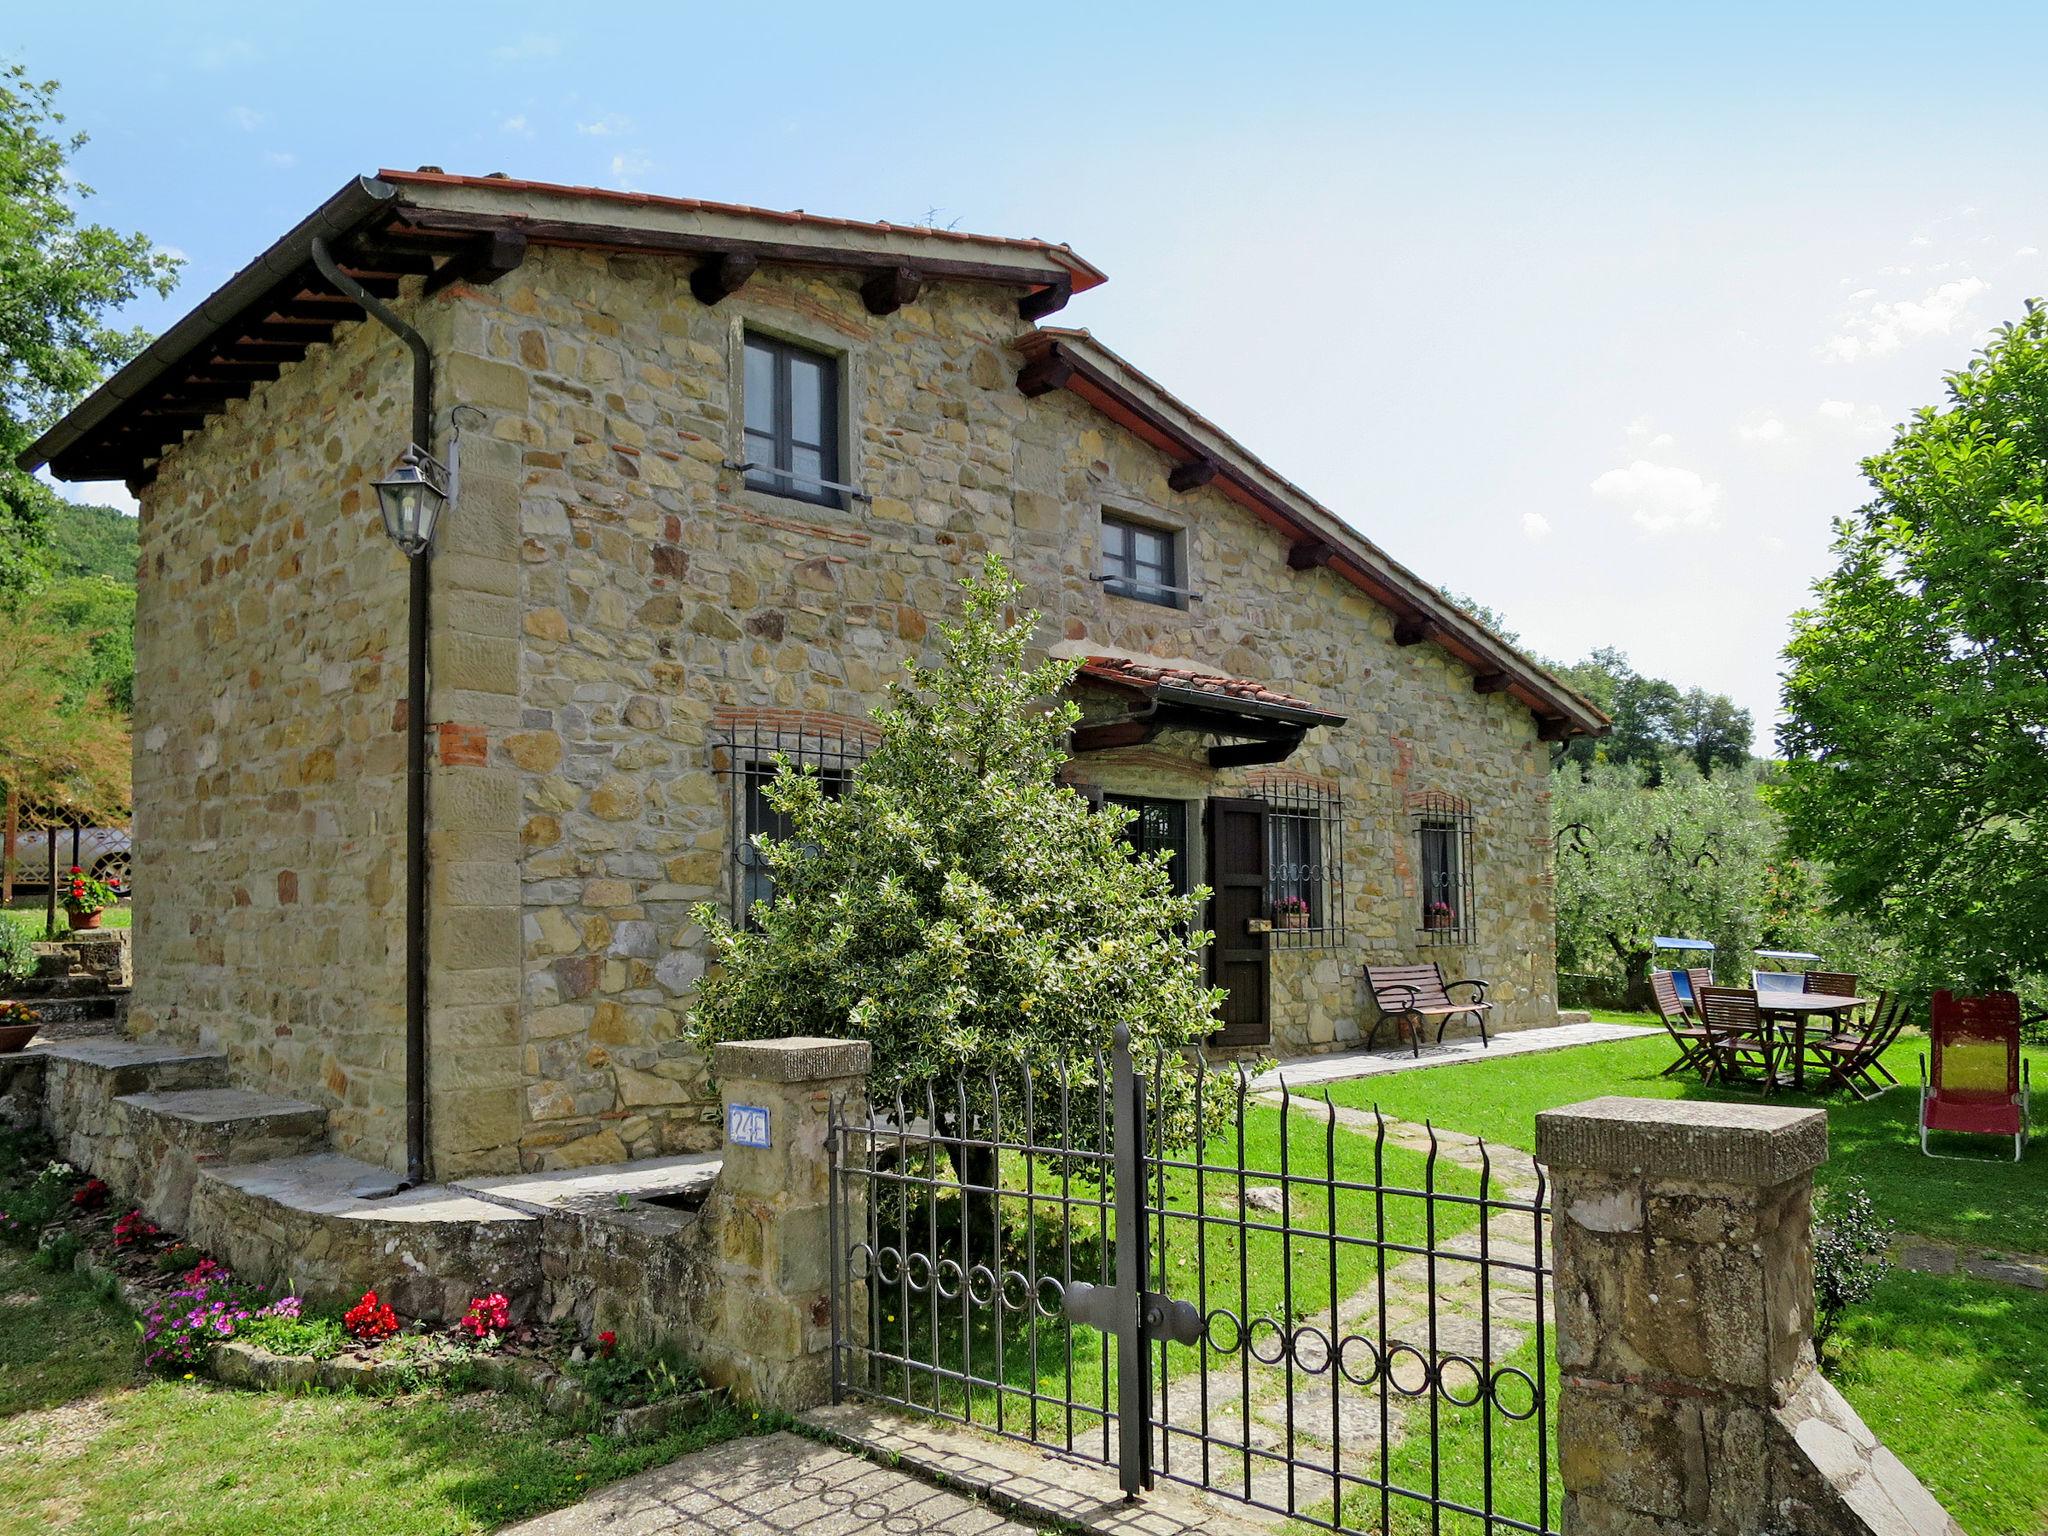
(1738, 1036)
(1830, 983)
(1696, 977)
(1853, 1057)
(1688, 1037)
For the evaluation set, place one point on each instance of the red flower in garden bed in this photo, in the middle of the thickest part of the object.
(607, 1344)
(370, 1320)
(486, 1315)
(91, 1195)
(136, 1230)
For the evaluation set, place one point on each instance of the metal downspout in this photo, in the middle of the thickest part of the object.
(419, 602)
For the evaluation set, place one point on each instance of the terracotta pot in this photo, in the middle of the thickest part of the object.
(83, 919)
(1292, 920)
(14, 1036)
(1437, 921)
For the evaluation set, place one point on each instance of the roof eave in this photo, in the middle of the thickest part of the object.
(1075, 361)
(358, 200)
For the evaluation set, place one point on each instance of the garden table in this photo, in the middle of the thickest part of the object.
(1792, 1012)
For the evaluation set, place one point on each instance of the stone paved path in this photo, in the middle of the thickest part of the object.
(1928, 1256)
(1341, 1065)
(778, 1485)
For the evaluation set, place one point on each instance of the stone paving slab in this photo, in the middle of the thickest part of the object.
(1340, 1066)
(572, 1187)
(1930, 1256)
(778, 1485)
(1038, 1484)
(328, 1184)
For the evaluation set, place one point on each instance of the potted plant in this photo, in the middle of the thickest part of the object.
(86, 898)
(1438, 917)
(17, 1026)
(1290, 912)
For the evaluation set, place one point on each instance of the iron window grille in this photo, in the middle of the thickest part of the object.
(747, 759)
(1443, 835)
(1142, 562)
(1159, 825)
(1304, 859)
(792, 422)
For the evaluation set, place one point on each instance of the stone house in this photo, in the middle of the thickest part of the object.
(721, 469)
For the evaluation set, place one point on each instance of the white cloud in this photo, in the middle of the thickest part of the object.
(1861, 294)
(1662, 498)
(1535, 526)
(628, 169)
(528, 45)
(96, 493)
(1768, 431)
(2028, 250)
(1663, 440)
(1919, 240)
(1886, 326)
(248, 119)
(516, 124)
(609, 126)
(223, 54)
(283, 159)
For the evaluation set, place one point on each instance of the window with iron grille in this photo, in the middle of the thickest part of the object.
(747, 759)
(1141, 562)
(1443, 835)
(1304, 859)
(791, 400)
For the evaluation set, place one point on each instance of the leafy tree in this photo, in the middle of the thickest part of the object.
(94, 541)
(1472, 608)
(1917, 690)
(1684, 857)
(58, 281)
(1654, 720)
(957, 906)
(100, 613)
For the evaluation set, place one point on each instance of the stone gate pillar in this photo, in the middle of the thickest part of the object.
(768, 1219)
(1688, 1400)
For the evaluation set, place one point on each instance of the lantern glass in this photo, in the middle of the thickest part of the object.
(411, 504)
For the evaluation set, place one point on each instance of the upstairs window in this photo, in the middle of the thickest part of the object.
(1141, 562)
(792, 422)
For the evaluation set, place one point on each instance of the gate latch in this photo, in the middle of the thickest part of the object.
(1160, 1316)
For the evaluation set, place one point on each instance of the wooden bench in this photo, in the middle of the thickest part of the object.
(1419, 993)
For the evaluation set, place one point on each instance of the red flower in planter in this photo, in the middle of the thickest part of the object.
(607, 1344)
(370, 1320)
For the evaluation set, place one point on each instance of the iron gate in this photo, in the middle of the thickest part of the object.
(1328, 1315)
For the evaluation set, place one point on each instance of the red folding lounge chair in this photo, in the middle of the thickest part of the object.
(1979, 1083)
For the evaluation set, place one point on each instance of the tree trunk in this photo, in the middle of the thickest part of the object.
(1635, 975)
(7, 858)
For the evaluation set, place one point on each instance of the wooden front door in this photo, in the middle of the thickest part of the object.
(1239, 961)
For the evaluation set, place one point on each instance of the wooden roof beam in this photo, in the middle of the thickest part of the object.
(1307, 554)
(1192, 475)
(890, 289)
(1045, 373)
(1490, 682)
(486, 259)
(722, 274)
(1552, 727)
(1047, 300)
(1415, 629)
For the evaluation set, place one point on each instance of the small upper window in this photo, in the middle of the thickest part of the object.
(1140, 561)
(792, 421)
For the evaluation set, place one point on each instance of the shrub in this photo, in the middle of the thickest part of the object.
(284, 1332)
(1849, 1244)
(27, 1211)
(17, 952)
(58, 1251)
(616, 1378)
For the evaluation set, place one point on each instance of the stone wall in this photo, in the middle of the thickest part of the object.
(662, 603)
(270, 674)
(609, 603)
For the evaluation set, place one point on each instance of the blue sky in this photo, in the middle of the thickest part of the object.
(1589, 311)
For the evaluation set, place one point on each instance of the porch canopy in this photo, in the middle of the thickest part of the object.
(1262, 724)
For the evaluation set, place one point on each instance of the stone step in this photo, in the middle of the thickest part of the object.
(164, 1139)
(306, 1222)
(72, 1009)
(116, 1067)
(36, 989)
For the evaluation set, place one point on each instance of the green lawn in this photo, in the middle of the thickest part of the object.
(1990, 1200)
(1952, 1373)
(30, 909)
(86, 1447)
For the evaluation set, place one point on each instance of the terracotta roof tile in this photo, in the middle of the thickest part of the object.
(1146, 676)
